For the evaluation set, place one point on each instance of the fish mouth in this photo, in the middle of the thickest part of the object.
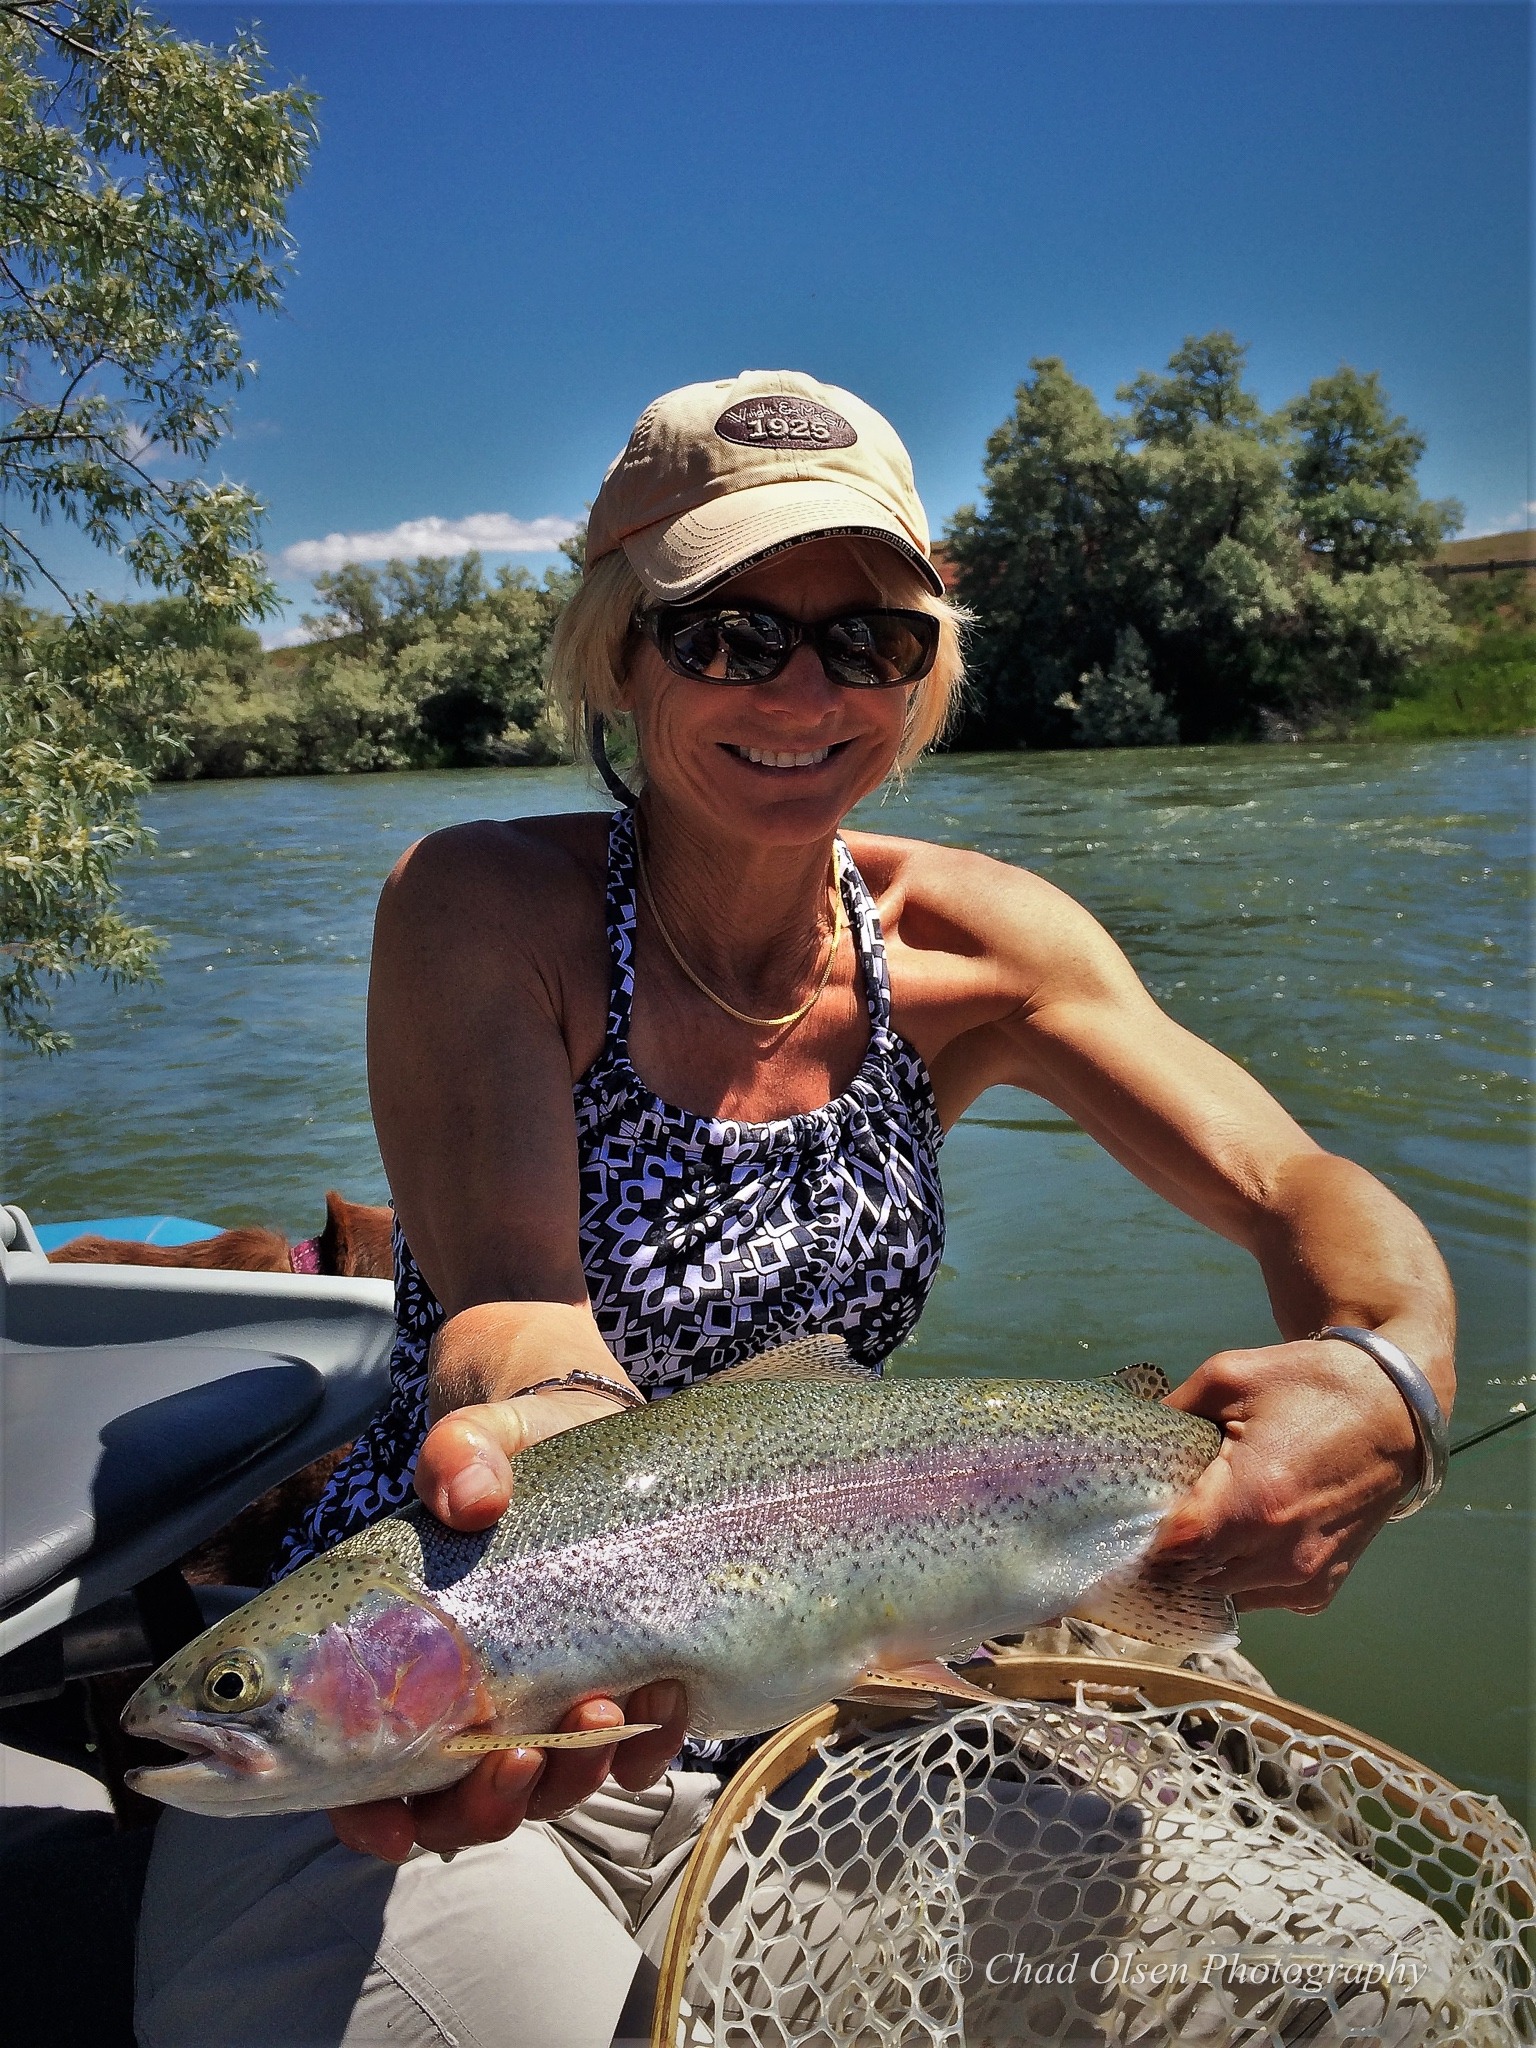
(210, 1747)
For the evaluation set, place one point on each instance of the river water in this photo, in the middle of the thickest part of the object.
(1348, 922)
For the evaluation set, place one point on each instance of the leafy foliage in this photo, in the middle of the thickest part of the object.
(143, 182)
(88, 710)
(1263, 562)
(421, 664)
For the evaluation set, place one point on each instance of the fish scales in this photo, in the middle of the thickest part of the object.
(767, 1542)
(842, 1501)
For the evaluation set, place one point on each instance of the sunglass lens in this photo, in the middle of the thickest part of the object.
(730, 646)
(875, 649)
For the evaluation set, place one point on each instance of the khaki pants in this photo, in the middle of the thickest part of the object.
(267, 1933)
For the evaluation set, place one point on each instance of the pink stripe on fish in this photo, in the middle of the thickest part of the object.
(903, 1497)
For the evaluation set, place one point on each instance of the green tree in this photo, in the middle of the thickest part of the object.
(464, 659)
(417, 665)
(1118, 707)
(354, 606)
(1045, 565)
(1351, 462)
(1264, 563)
(390, 608)
(478, 675)
(1202, 391)
(143, 181)
(1218, 558)
(87, 713)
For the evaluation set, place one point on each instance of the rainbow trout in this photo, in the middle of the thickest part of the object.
(783, 1534)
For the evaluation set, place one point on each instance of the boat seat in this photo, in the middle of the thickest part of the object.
(142, 1407)
(101, 1441)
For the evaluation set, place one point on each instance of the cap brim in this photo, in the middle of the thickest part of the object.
(684, 558)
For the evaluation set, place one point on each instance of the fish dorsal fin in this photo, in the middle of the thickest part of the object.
(807, 1358)
(1146, 1382)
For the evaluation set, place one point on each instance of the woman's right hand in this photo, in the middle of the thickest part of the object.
(464, 1469)
(464, 1475)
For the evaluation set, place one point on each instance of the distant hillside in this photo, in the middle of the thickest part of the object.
(1489, 552)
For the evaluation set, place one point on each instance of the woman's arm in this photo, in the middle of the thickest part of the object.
(1319, 1446)
(470, 1078)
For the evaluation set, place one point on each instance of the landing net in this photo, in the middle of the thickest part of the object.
(1082, 1872)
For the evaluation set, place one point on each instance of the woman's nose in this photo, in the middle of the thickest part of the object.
(802, 680)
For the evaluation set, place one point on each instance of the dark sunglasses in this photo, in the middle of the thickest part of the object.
(740, 644)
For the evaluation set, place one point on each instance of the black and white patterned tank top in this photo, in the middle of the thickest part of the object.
(705, 1240)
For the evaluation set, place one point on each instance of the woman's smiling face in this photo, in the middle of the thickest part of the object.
(782, 761)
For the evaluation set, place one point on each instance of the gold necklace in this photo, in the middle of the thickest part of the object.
(758, 1023)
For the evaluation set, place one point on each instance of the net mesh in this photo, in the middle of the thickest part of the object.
(1030, 1872)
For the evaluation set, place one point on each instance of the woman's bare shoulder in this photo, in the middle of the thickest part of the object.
(542, 868)
(951, 898)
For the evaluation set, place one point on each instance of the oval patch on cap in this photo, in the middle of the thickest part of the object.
(785, 421)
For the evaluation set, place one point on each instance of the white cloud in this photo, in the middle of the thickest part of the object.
(285, 636)
(494, 532)
(139, 446)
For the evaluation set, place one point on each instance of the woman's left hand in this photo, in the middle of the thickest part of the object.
(1319, 1448)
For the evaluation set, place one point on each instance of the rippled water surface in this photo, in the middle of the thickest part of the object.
(1349, 923)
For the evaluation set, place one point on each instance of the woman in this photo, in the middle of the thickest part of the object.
(656, 1094)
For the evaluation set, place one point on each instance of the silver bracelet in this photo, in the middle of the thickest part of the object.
(580, 1382)
(1429, 1424)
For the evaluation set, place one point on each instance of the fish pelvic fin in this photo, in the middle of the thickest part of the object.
(1163, 1607)
(936, 1680)
(1146, 1382)
(578, 1738)
(826, 1357)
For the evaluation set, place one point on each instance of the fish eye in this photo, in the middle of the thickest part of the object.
(232, 1682)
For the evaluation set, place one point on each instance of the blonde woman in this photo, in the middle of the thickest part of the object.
(658, 1092)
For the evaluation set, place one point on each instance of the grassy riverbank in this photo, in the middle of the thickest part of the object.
(1487, 691)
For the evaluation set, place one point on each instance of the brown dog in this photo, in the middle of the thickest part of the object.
(354, 1244)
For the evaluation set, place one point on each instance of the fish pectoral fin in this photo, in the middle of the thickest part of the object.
(1162, 1607)
(1146, 1382)
(935, 1679)
(577, 1738)
(808, 1358)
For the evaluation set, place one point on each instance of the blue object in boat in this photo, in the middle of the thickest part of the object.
(136, 1229)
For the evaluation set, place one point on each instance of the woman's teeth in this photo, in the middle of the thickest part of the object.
(763, 759)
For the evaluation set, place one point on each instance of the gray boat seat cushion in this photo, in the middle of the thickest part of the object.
(99, 1441)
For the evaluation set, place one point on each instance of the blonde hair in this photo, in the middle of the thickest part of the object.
(589, 653)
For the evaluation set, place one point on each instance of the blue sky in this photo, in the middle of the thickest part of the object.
(522, 222)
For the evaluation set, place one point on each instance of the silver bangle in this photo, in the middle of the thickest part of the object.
(579, 1382)
(1429, 1424)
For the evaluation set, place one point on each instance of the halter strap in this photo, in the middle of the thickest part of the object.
(863, 925)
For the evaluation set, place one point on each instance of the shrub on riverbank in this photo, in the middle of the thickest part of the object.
(422, 665)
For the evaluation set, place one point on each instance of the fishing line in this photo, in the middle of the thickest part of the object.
(1481, 1436)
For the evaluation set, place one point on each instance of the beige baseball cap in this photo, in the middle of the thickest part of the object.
(719, 477)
